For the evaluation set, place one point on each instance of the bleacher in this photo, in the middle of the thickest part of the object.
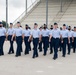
(38, 13)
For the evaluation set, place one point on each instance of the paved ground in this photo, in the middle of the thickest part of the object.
(25, 65)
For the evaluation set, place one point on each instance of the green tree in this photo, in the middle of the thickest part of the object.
(4, 24)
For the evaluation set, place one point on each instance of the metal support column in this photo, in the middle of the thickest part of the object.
(47, 13)
(26, 6)
(6, 13)
(61, 9)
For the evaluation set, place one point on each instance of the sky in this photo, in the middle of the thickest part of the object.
(15, 9)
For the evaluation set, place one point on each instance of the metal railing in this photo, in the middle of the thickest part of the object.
(24, 13)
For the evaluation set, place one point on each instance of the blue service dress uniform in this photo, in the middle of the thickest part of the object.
(2, 39)
(51, 42)
(10, 34)
(70, 35)
(18, 34)
(60, 42)
(40, 43)
(74, 41)
(45, 40)
(64, 34)
(36, 34)
(56, 37)
(26, 33)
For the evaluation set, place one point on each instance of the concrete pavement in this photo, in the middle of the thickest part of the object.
(43, 65)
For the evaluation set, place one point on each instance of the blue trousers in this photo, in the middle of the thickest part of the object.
(26, 45)
(2, 39)
(69, 46)
(40, 46)
(19, 43)
(45, 44)
(74, 48)
(35, 44)
(65, 41)
(56, 45)
(51, 46)
(11, 49)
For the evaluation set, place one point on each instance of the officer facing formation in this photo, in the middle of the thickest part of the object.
(2, 38)
(9, 38)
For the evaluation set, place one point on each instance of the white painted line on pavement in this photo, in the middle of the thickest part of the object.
(39, 71)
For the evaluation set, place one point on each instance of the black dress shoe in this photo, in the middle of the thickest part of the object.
(9, 53)
(44, 54)
(2, 54)
(33, 57)
(73, 51)
(40, 51)
(19, 55)
(54, 58)
(36, 56)
(12, 52)
(51, 52)
(16, 55)
(63, 55)
(68, 53)
(60, 50)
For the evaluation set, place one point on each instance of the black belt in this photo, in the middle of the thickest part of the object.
(26, 36)
(2, 36)
(65, 38)
(35, 38)
(45, 36)
(18, 36)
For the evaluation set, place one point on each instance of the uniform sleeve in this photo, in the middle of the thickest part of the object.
(40, 32)
(8, 31)
(31, 32)
(4, 30)
(23, 32)
(14, 32)
(73, 33)
(61, 32)
(67, 33)
(50, 32)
